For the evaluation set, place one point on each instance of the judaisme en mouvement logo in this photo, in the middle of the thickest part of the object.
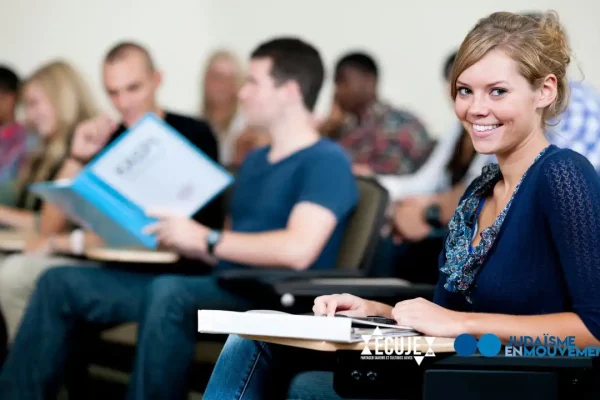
(489, 345)
(396, 347)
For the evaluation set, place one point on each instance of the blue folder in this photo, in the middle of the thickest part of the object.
(93, 203)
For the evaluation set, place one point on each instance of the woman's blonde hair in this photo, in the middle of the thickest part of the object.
(218, 55)
(72, 102)
(537, 43)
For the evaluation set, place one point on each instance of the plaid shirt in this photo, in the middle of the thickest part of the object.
(389, 141)
(13, 149)
(578, 127)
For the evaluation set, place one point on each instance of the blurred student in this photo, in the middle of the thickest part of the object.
(379, 138)
(56, 100)
(13, 136)
(508, 83)
(223, 78)
(578, 128)
(291, 204)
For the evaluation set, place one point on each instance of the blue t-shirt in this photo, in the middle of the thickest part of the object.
(546, 257)
(265, 193)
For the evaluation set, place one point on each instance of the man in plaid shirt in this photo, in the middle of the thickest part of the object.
(578, 127)
(380, 139)
(13, 136)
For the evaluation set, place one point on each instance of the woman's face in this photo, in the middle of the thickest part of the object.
(221, 82)
(497, 105)
(39, 111)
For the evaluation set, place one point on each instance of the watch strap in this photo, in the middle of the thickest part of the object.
(213, 238)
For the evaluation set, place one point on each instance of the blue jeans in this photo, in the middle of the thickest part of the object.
(65, 298)
(253, 370)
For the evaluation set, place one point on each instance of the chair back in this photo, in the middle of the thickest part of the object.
(363, 232)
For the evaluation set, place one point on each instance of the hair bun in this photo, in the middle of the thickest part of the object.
(558, 46)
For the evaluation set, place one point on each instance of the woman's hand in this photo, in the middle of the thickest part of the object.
(347, 304)
(429, 318)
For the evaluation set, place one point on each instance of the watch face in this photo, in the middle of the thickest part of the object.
(213, 236)
(433, 212)
(433, 215)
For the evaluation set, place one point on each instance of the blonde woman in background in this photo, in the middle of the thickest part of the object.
(56, 100)
(223, 76)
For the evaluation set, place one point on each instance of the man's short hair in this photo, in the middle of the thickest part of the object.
(448, 65)
(123, 49)
(295, 60)
(9, 81)
(360, 61)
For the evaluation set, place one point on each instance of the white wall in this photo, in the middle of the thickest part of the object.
(409, 39)
(177, 32)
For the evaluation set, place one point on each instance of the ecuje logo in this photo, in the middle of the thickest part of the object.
(397, 347)
(466, 345)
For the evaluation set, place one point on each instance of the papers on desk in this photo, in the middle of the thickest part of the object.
(279, 324)
(150, 166)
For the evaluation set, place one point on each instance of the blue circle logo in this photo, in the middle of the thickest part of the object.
(489, 345)
(465, 345)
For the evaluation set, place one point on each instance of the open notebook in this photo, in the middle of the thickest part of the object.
(280, 324)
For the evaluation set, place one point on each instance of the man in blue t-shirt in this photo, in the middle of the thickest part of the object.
(290, 206)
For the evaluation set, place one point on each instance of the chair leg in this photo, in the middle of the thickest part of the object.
(77, 379)
(76, 374)
(3, 341)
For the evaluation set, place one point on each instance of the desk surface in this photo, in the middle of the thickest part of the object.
(14, 241)
(349, 281)
(131, 255)
(440, 345)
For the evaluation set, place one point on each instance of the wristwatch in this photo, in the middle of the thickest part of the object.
(433, 216)
(77, 242)
(213, 238)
